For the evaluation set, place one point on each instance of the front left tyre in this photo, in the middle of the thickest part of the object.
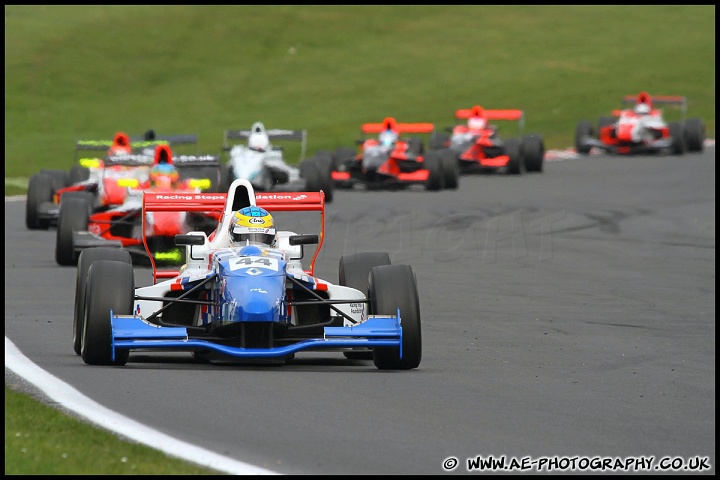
(393, 287)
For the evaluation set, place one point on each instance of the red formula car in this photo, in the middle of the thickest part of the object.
(121, 226)
(642, 129)
(478, 147)
(99, 177)
(390, 161)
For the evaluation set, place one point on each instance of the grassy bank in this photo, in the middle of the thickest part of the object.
(76, 71)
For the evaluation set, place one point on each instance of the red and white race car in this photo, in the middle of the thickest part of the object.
(388, 160)
(121, 226)
(100, 177)
(642, 129)
(478, 147)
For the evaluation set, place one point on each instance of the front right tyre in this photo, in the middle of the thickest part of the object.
(87, 257)
(110, 288)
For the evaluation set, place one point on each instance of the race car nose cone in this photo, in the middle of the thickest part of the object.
(257, 301)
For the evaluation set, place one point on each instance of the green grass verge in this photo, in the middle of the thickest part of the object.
(40, 441)
(74, 71)
(89, 71)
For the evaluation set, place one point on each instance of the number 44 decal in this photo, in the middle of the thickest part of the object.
(257, 262)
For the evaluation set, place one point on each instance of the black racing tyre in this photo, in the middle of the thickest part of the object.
(343, 154)
(354, 269)
(605, 122)
(433, 164)
(77, 174)
(354, 272)
(415, 146)
(307, 171)
(110, 286)
(327, 159)
(583, 131)
(59, 178)
(439, 140)
(450, 168)
(325, 162)
(694, 134)
(87, 257)
(317, 177)
(512, 150)
(40, 190)
(226, 177)
(677, 138)
(74, 216)
(393, 287)
(533, 152)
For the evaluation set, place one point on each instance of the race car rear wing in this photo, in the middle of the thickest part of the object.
(240, 195)
(274, 135)
(505, 114)
(136, 144)
(180, 161)
(398, 127)
(653, 100)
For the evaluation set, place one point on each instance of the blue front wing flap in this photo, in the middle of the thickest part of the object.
(131, 332)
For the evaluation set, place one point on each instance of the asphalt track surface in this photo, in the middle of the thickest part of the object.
(565, 315)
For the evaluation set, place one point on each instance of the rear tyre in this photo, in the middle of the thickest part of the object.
(605, 122)
(40, 190)
(415, 146)
(354, 272)
(78, 174)
(677, 138)
(87, 257)
(533, 152)
(392, 287)
(59, 178)
(110, 287)
(439, 140)
(450, 168)
(512, 150)
(317, 175)
(343, 155)
(74, 216)
(226, 177)
(583, 132)
(354, 269)
(433, 164)
(694, 135)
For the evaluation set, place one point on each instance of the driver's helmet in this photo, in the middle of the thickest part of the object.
(252, 226)
(258, 141)
(476, 123)
(387, 137)
(642, 109)
(121, 144)
(164, 175)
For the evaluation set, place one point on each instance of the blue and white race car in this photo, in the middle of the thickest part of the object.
(235, 304)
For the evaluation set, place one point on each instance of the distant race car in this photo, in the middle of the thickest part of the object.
(246, 303)
(79, 226)
(262, 162)
(478, 147)
(100, 178)
(642, 129)
(388, 160)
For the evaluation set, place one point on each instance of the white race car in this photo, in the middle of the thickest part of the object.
(262, 162)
